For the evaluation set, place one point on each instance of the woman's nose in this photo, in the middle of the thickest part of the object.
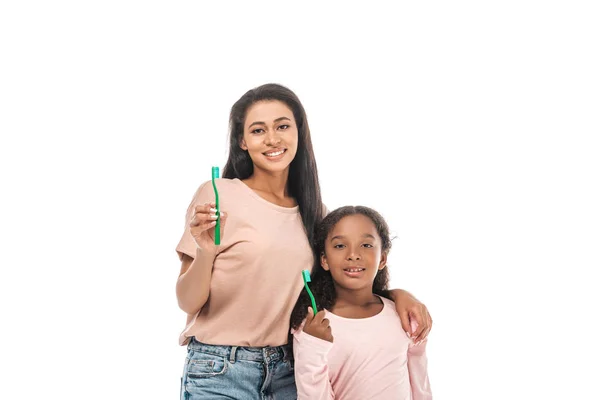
(272, 138)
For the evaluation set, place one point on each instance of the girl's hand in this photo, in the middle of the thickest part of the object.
(202, 226)
(318, 325)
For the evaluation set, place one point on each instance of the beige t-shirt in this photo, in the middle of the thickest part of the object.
(257, 274)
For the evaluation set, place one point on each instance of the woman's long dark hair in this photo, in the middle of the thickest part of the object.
(321, 283)
(303, 180)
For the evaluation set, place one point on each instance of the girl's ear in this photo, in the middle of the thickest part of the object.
(383, 262)
(243, 144)
(324, 262)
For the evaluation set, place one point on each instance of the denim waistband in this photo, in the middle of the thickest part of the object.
(233, 353)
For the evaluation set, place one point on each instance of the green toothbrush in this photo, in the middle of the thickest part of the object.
(306, 277)
(215, 175)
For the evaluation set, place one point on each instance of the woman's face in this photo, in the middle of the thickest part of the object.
(270, 136)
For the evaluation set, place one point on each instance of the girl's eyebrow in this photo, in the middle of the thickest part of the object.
(366, 235)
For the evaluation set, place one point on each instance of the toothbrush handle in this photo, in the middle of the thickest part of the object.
(312, 299)
(215, 175)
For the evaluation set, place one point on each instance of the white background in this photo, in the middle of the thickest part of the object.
(472, 126)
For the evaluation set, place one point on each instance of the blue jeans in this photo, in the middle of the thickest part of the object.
(240, 373)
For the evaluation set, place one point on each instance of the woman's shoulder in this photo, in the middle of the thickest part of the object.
(226, 186)
(221, 184)
(222, 181)
(226, 183)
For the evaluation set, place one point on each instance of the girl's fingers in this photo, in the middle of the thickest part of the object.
(309, 315)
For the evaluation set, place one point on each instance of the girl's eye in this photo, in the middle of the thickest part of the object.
(283, 127)
(338, 246)
(368, 245)
(257, 131)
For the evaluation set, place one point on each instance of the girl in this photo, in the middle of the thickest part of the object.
(354, 347)
(239, 296)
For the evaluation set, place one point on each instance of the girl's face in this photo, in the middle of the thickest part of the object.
(270, 136)
(353, 252)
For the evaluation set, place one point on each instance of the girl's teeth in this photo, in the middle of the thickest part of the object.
(275, 154)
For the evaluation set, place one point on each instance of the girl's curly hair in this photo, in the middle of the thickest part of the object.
(321, 283)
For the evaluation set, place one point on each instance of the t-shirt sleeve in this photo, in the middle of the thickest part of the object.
(417, 371)
(311, 369)
(187, 245)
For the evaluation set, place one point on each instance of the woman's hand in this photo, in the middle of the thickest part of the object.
(410, 309)
(318, 325)
(202, 226)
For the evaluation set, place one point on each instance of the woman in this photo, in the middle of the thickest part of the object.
(239, 295)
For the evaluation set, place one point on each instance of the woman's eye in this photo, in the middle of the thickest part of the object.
(257, 131)
(284, 127)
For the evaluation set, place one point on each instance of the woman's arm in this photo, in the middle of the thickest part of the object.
(193, 284)
(410, 309)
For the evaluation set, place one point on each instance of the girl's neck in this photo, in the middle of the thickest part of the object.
(356, 303)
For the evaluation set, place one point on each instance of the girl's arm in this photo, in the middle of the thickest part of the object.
(412, 310)
(417, 371)
(311, 370)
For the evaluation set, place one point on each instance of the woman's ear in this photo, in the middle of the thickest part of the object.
(324, 262)
(383, 262)
(243, 145)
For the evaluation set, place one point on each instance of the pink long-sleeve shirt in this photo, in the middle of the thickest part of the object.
(370, 358)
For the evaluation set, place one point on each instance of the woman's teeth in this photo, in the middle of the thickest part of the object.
(275, 154)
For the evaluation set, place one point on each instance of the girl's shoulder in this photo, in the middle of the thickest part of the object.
(389, 307)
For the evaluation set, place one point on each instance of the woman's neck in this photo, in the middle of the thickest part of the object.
(275, 184)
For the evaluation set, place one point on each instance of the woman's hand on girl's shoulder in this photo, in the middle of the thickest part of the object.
(412, 310)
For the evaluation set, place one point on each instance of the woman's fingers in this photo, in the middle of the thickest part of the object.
(206, 225)
(223, 218)
(200, 219)
(405, 321)
(421, 316)
(206, 207)
(426, 328)
(203, 213)
(423, 335)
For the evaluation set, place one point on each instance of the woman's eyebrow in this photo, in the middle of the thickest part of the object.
(262, 123)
